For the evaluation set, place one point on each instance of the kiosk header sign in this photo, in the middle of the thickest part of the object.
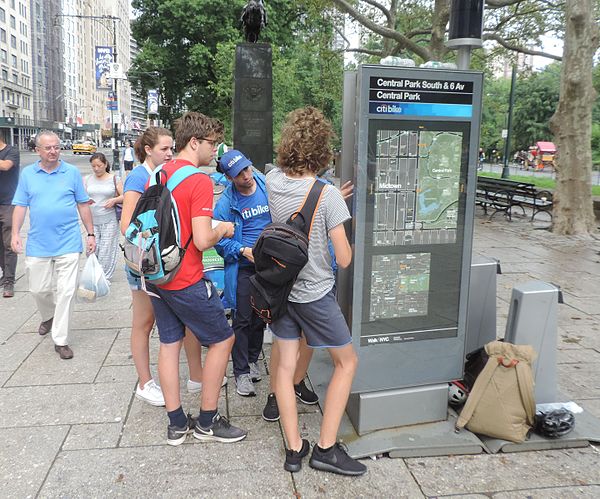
(420, 97)
(417, 138)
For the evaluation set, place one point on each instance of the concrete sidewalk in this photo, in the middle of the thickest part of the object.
(74, 428)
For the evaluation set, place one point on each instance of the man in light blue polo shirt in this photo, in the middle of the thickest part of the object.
(54, 193)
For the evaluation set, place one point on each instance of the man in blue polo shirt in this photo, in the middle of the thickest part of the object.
(243, 202)
(54, 193)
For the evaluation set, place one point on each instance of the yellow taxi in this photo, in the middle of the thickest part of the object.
(83, 147)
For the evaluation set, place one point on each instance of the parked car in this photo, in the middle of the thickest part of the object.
(83, 147)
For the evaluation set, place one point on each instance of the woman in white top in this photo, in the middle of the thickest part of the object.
(106, 192)
(128, 157)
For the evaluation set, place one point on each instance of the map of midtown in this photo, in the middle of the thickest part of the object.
(416, 187)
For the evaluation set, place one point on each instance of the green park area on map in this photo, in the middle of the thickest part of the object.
(438, 179)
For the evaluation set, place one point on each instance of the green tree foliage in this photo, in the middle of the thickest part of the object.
(190, 44)
(494, 114)
(536, 98)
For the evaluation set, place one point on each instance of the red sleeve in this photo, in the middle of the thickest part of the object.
(202, 196)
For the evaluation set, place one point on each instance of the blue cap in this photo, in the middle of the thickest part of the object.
(233, 162)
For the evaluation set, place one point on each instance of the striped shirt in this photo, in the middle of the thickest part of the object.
(285, 195)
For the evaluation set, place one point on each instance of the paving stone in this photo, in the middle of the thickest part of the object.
(579, 380)
(505, 472)
(120, 352)
(26, 457)
(91, 320)
(579, 356)
(64, 404)
(147, 425)
(591, 491)
(93, 436)
(383, 476)
(15, 350)
(45, 367)
(195, 470)
(4, 375)
(16, 312)
(112, 374)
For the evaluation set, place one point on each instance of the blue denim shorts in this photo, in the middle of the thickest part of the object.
(197, 307)
(321, 321)
(135, 282)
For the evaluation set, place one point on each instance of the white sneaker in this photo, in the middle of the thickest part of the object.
(196, 386)
(150, 393)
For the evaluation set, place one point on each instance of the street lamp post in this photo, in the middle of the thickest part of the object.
(511, 102)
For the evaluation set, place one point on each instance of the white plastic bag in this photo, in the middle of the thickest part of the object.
(93, 283)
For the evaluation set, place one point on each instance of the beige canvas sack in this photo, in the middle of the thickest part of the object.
(501, 403)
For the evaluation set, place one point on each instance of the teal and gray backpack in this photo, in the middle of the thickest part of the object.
(153, 248)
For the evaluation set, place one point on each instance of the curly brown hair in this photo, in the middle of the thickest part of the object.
(305, 143)
(193, 124)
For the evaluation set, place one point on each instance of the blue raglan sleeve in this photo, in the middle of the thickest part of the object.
(228, 248)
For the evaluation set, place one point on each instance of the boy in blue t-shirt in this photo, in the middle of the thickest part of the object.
(243, 202)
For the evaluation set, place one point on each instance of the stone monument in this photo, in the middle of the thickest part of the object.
(253, 90)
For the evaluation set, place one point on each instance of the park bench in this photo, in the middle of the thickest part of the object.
(502, 195)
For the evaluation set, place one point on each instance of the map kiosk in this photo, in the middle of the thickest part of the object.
(415, 136)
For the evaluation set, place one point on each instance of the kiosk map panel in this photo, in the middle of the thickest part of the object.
(417, 187)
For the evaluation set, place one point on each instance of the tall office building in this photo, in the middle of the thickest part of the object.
(138, 100)
(46, 62)
(16, 106)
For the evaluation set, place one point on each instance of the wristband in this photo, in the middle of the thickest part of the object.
(91, 235)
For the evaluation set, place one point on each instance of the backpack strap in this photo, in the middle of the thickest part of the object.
(476, 393)
(180, 175)
(308, 208)
(525, 382)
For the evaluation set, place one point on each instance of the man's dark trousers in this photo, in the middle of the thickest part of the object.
(8, 258)
(249, 329)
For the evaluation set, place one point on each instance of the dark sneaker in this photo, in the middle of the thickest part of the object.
(304, 394)
(336, 460)
(220, 431)
(293, 459)
(271, 411)
(64, 351)
(176, 435)
(9, 291)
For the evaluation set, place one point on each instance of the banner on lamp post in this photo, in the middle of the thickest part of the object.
(153, 101)
(103, 59)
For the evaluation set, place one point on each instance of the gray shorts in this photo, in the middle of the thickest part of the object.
(321, 321)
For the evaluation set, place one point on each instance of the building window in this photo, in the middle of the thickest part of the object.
(13, 22)
(13, 41)
(2, 35)
(15, 78)
(3, 56)
(14, 61)
(2, 15)
(4, 74)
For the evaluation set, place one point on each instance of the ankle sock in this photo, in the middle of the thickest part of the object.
(205, 419)
(177, 417)
(324, 450)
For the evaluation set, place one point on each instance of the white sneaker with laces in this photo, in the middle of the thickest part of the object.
(196, 386)
(150, 393)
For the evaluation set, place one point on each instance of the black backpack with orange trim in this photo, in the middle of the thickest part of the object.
(280, 253)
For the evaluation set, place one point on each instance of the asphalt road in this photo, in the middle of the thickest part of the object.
(81, 161)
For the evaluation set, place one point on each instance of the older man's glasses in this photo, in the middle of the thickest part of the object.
(50, 148)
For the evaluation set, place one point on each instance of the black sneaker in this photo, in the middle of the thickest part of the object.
(271, 411)
(305, 395)
(220, 431)
(293, 459)
(336, 460)
(176, 435)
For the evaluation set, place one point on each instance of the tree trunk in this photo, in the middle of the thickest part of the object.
(571, 124)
